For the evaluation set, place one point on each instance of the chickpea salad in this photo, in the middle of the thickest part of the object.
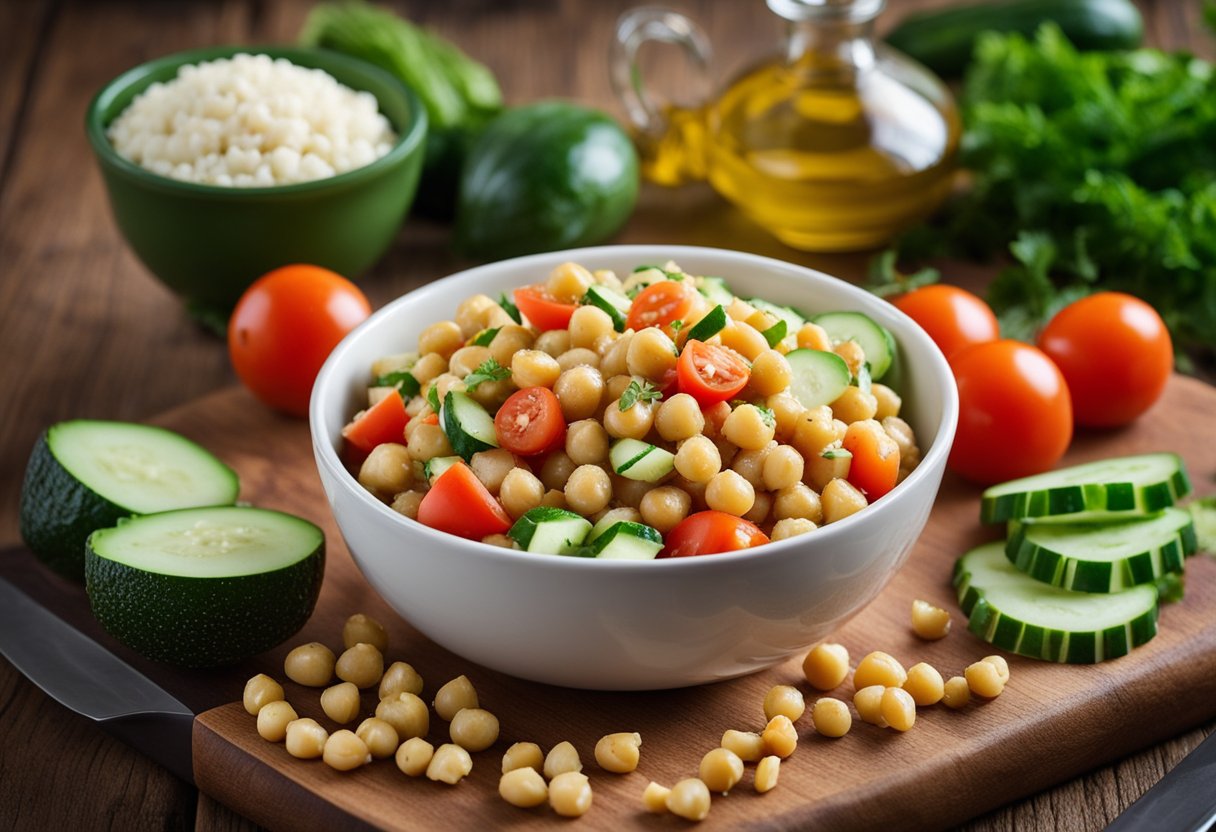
(651, 415)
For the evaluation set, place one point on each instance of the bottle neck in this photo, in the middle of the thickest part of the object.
(829, 36)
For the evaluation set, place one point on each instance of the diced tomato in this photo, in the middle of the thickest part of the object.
(530, 422)
(709, 533)
(661, 303)
(430, 419)
(459, 504)
(711, 374)
(382, 422)
(539, 307)
(874, 468)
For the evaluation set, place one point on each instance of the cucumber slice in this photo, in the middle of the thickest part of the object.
(875, 341)
(469, 427)
(716, 290)
(709, 326)
(1088, 557)
(817, 377)
(627, 541)
(435, 466)
(793, 319)
(1131, 484)
(1010, 609)
(203, 587)
(615, 303)
(641, 461)
(85, 475)
(550, 530)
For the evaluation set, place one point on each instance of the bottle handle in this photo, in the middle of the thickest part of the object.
(651, 115)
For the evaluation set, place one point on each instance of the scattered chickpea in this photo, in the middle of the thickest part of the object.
(784, 699)
(780, 736)
(414, 755)
(523, 787)
(273, 719)
(956, 693)
(868, 702)
(879, 668)
(831, 717)
(453, 696)
(925, 684)
(407, 713)
(340, 702)
(654, 798)
(474, 729)
(379, 736)
(306, 739)
(898, 709)
(449, 764)
(260, 690)
(826, 665)
(747, 745)
(619, 752)
(561, 758)
(689, 799)
(310, 664)
(720, 770)
(400, 678)
(984, 679)
(766, 774)
(929, 622)
(523, 755)
(1002, 666)
(344, 751)
(361, 665)
(570, 794)
(363, 629)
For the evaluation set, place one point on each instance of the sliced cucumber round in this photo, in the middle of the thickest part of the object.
(1108, 557)
(468, 425)
(85, 475)
(817, 377)
(1134, 485)
(641, 461)
(549, 530)
(1015, 612)
(874, 339)
(205, 587)
(615, 304)
(627, 541)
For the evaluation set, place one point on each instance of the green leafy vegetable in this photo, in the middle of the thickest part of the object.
(886, 281)
(490, 370)
(638, 392)
(766, 414)
(836, 453)
(403, 380)
(432, 398)
(510, 308)
(485, 337)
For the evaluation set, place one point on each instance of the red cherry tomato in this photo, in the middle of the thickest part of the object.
(953, 317)
(1115, 353)
(530, 422)
(711, 532)
(1015, 414)
(661, 303)
(459, 504)
(284, 327)
(874, 468)
(709, 373)
(539, 307)
(382, 422)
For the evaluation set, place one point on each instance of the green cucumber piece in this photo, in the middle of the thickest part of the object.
(775, 333)
(470, 428)
(435, 466)
(641, 461)
(550, 530)
(716, 290)
(205, 587)
(709, 326)
(615, 303)
(1013, 611)
(874, 339)
(817, 377)
(1108, 557)
(1131, 485)
(792, 317)
(85, 475)
(485, 337)
(627, 541)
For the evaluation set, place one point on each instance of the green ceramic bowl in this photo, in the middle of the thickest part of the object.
(208, 242)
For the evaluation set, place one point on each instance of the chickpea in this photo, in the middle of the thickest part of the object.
(786, 700)
(340, 702)
(471, 314)
(310, 664)
(879, 668)
(603, 344)
(523, 787)
(523, 755)
(888, 401)
(428, 368)
(444, 337)
(393, 363)
(569, 282)
(360, 628)
(578, 357)
(588, 490)
(492, 467)
(984, 679)
(854, 405)
(791, 527)
(306, 739)
(619, 753)
(720, 770)
(570, 794)
(1002, 666)
(766, 774)
(449, 764)
(587, 324)
(587, 442)
(407, 502)
(664, 507)
(520, 492)
(868, 702)
(634, 422)
(816, 431)
(771, 374)
(826, 665)
(398, 679)
(474, 729)
(379, 736)
(925, 684)
(898, 709)
(750, 466)
(414, 755)
(502, 541)
(852, 353)
(429, 441)
(956, 693)
(748, 428)
(273, 719)
(387, 470)
(743, 339)
(740, 310)
(555, 471)
(780, 736)
(841, 499)
(407, 713)
(813, 337)
(782, 468)
(554, 342)
(679, 417)
(694, 490)
(579, 390)
(697, 458)
(651, 354)
(689, 799)
(746, 745)
(553, 499)
(731, 493)
(491, 394)
(798, 501)
(629, 493)
(615, 361)
(831, 717)
(534, 368)
(344, 751)
(615, 387)
(258, 691)
(454, 696)
(654, 798)
(363, 665)
(929, 622)
(509, 340)
(561, 758)
(787, 410)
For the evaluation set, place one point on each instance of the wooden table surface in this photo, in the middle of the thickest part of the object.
(86, 332)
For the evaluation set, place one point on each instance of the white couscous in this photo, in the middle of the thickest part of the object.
(251, 121)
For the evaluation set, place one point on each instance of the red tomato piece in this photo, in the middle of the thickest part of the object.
(530, 422)
(430, 419)
(709, 533)
(539, 307)
(459, 504)
(874, 468)
(953, 317)
(711, 374)
(382, 422)
(661, 303)
(1115, 353)
(1015, 413)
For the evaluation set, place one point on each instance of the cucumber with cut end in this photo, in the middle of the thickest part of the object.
(874, 339)
(1130, 485)
(817, 377)
(1107, 557)
(549, 530)
(709, 326)
(716, 290)
(469, 427)
(792, 317)
(85, 475)
(435, 466)
(615, 303)
(624, 540)
(204, 587)
(1015, 612)
(641, 461)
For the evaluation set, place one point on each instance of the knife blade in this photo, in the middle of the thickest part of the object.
(84, 677)
(1184, 800)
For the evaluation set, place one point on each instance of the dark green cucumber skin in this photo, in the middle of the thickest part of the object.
(944, 40)
(1095, 576)
(1069, 499)
(202, 622)
(59, 512)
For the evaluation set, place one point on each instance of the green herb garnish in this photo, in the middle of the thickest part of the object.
(638, 392)
(483, 338)
(836, 453)
(490, 370)
(402, 380)
(766, 414)
(510, 308)
(432, 398)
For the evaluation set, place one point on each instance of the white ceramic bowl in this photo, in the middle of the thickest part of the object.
(621, 625)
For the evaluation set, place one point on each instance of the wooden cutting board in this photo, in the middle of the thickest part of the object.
(1052, 723)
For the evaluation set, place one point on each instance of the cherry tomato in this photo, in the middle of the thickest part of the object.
(530, 422)
(953, 317)
(1015, 414)
(284, 327)
(1115, 353)
(459, 504)
(709, 373)
(382, 422)
(711, 532)
(539, 307)
(661, 303)
(874, 468)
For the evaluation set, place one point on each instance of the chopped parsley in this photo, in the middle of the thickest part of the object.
(510, 308)
(402, 380)
(490, 370)
(638, 392)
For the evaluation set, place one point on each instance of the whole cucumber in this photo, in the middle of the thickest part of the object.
(944, 40)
